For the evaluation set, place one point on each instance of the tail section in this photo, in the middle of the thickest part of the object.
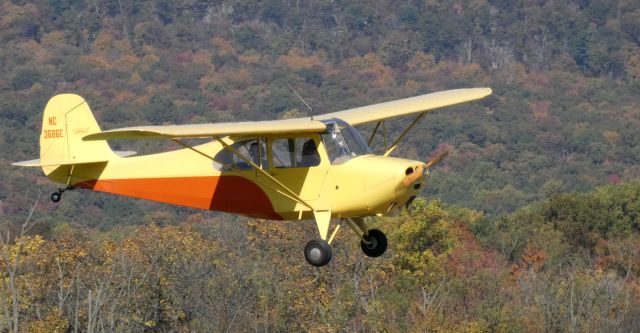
(67, 119)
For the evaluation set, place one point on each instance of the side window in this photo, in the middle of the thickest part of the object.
(308, 152)
(253, 150)
(283, 152)
(295, 153)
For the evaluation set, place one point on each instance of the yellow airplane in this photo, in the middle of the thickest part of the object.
(296, 169)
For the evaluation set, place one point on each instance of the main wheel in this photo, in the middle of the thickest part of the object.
(376, 243)
(56, 196)
(318, 252)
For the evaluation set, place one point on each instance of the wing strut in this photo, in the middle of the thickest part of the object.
(395, 143)
(375, 130)
(192, 148)
(384, 133)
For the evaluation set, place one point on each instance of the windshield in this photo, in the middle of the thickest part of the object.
(343, 142)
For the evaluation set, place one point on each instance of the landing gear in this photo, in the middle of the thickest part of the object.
(56, 196)
(374, 244)
(318, 252)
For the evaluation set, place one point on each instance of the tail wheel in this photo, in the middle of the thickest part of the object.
(375, 244)
(56, 196)
(318, 252)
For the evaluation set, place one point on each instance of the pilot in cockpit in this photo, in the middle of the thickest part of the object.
(310, 156)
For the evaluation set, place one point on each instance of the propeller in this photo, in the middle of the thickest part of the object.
(413, 175)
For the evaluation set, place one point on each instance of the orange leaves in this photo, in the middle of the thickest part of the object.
(541, 106)
(103, 42)
(221, 80)
(16, 14)
(53, 39)
(611, 136)
(296, 60)
(203, 57)
(532, 260)
(412, 87)
(370, 68)
(222, 46)
(124, 96)
(620, 255)
(148, 61)
(540, 110)
(421, 62)
(127, 61)
(251, 59)
(468, 258)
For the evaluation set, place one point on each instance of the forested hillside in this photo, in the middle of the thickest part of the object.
(522, 255)
(570, 264)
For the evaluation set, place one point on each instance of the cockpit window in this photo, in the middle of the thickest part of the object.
(254, 150)
(295, 153)
(343, 142)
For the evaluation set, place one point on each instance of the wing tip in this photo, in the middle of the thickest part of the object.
(483, 91)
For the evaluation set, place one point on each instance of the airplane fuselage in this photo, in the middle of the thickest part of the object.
(361, 186)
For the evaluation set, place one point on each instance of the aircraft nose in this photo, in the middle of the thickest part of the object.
(412, 176)
(409, 183)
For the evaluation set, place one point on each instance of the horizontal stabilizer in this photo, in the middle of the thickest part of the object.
(38, 162)
(30, 163)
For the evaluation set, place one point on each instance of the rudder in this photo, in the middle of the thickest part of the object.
(66, 120)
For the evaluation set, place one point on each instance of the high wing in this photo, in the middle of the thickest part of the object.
(407, 106)
(356, 116)
(300, 125)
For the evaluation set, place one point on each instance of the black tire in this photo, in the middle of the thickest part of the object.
(318, 252)
(56, 196)
(377, 243)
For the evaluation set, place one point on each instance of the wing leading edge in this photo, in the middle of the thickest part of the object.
(407, 106)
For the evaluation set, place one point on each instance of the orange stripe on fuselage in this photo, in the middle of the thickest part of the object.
(232, 194)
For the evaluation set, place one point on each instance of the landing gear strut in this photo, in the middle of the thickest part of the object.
(318, 251)
(56, 196)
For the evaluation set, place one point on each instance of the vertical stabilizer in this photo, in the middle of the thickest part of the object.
(67, 119)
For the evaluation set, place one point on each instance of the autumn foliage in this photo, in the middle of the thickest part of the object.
(535, 251)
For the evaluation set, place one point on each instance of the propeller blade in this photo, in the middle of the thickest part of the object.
(437, 159)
